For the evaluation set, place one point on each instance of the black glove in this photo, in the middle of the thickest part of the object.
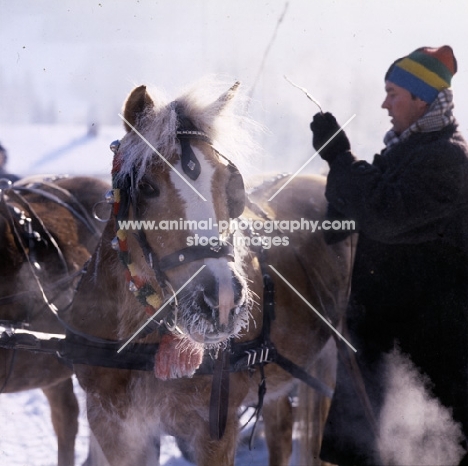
(324, 126)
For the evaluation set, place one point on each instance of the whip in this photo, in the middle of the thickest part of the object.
(304, 90)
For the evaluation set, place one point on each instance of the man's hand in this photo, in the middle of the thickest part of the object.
(324, 126)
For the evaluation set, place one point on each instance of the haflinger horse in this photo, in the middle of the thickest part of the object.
(47, 232)
(213, 304)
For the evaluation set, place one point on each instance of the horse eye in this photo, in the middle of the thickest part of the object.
(148, 189)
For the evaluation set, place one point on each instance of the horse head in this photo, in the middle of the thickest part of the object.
(174, 196)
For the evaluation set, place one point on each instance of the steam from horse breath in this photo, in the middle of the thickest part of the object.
(415, 429)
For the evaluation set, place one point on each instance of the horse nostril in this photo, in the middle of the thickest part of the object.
(211, 287)
(238, 291)
(211, 299)
(210, 292)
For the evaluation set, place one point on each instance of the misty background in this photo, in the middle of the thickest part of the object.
(67, 66)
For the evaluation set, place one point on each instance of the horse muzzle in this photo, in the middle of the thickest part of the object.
(216, 308)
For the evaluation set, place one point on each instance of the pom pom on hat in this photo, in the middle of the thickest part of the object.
(424, 72)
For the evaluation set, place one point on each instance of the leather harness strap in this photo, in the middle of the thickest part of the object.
(193, 253)
(219, 398)
(79, 349)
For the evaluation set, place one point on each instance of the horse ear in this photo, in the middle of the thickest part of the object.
(137, 102)
(220, 103)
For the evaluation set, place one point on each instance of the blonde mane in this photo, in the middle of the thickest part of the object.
(224, 122)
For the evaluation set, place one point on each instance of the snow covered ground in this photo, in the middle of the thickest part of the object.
(27, 437)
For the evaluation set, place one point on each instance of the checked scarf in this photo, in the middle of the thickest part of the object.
(438, 116)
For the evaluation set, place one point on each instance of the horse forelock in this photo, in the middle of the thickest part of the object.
(225, 124)
(157, 131)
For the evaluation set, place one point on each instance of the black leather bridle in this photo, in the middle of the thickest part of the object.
(128, 197)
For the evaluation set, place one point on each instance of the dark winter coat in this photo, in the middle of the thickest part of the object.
(410, 277)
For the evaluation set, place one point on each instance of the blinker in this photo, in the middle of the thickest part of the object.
(235, 190)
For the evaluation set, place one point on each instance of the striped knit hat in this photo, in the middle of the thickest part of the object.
(424, 72)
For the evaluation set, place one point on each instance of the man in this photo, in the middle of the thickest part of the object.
(410, 279)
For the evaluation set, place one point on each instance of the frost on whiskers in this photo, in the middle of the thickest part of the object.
(415, 429)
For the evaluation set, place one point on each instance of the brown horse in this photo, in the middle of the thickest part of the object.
(320, 273)
(185, 281)
(47, 233)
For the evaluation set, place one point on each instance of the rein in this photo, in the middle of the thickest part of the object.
(27, 237)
